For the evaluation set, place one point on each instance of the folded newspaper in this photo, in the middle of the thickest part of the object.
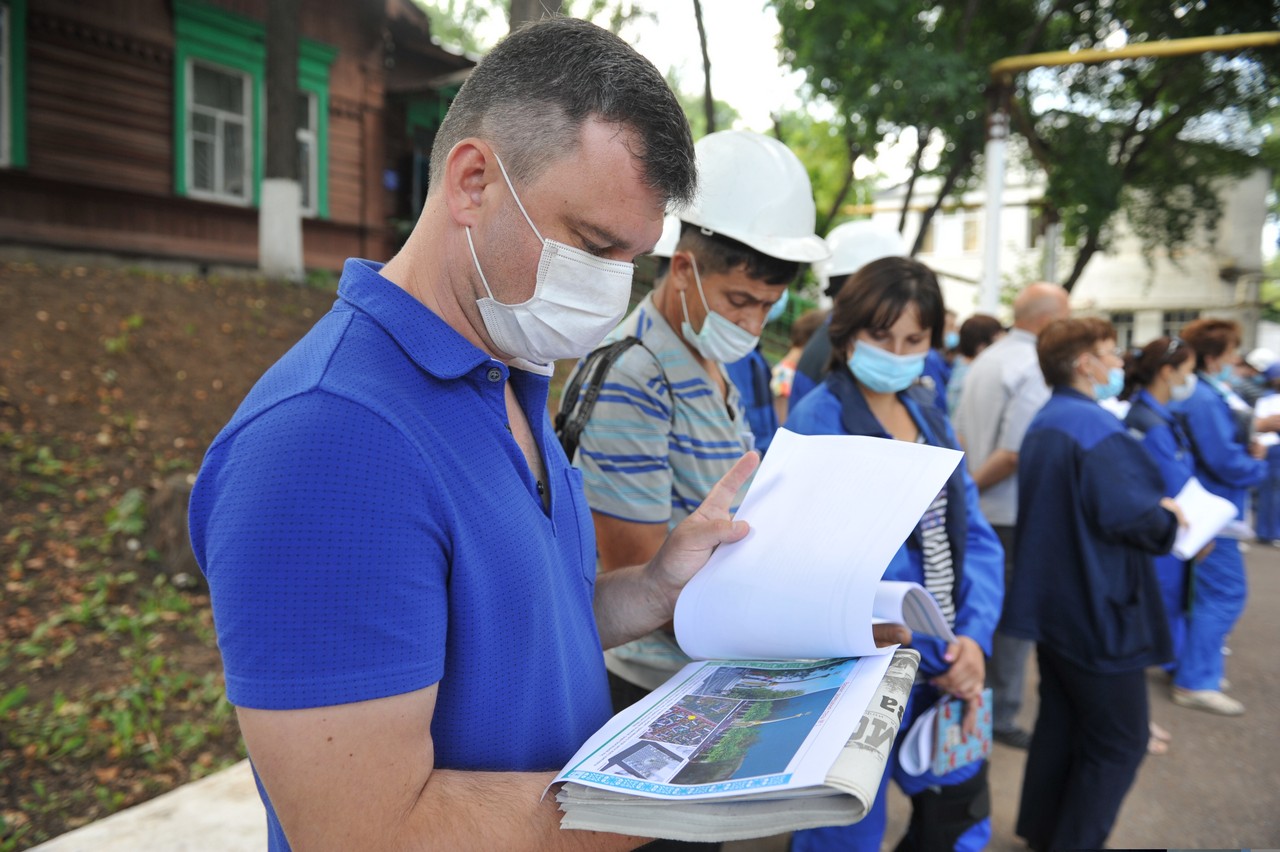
(732, 752)
(787, 721)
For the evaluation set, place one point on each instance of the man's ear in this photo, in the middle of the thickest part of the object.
(680, 273)
(468, 169)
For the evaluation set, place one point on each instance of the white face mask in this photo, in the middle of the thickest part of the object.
(577, 300)
(1181, 392)
(719, 340)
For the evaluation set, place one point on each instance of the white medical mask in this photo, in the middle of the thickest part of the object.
(1182, 392)
(720, 340)
(577, 300)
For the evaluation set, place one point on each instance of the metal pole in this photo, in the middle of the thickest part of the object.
(994, 163)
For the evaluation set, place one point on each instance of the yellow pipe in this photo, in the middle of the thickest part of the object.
(1010, 65)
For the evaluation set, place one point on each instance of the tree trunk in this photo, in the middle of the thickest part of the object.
(854, 153)
(922, 139)
(279, 212)
(1082, 259)
(957, 167)
(708, 103)
(521, 12)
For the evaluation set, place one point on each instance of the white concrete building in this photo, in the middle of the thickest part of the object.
(1219, 275)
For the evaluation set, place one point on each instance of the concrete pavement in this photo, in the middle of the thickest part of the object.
(1218, 787)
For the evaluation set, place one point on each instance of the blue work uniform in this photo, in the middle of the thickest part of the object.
(1089, 521)
(952, 809)
(751, 375)
(1162, 436)
(1219, 589)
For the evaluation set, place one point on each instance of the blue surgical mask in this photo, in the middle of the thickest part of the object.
(884, 372)
(778, 308)
(1225, 374)
(951, 340)
(1115, 384)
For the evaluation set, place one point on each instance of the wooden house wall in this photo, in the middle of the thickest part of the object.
(100, 138)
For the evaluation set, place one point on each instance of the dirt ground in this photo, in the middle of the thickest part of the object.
(113, 381)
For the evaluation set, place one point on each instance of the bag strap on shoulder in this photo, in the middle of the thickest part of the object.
(583, 391)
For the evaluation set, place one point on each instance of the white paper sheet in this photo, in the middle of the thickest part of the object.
(1265, 407)
(1207, 515)
(827, 514)
(912, 605)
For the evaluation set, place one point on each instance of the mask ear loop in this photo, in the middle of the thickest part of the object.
(697, 279)
(483, 280)
(523, 212)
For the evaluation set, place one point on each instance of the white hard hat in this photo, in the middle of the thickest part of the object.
(855, 244)
(1260, 359)
(670, 236)
(753, 189)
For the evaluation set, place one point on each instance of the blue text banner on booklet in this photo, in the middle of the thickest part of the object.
(827, 515)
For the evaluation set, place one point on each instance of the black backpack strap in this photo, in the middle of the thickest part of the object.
(580, 395)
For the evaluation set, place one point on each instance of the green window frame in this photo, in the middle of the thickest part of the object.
(13, 83)
(208, 35)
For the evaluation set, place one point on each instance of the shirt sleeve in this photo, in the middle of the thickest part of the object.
(1028, 394)
(319, 530)
(624, 449)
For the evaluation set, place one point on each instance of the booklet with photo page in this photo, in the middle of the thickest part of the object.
(786, 718)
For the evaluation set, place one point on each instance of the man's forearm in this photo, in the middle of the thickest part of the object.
(627, 606)
(499, 810)
(998, 467)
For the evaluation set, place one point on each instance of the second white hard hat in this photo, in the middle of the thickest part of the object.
(753, 189)
(670, 237)
(1260, 359)
(855, 244)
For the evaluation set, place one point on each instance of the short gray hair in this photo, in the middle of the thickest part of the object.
(532, 93)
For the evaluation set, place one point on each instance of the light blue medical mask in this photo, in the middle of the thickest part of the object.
(720, 339)
(1113, 386)
(951, 340)
(778, 308)
(1225, 374)
(884, 372)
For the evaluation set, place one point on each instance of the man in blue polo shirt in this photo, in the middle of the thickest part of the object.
(401, 561)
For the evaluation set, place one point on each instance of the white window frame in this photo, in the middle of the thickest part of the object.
(6, 85)
(308, 135)
(970, 217)
(1123, 322)
(1172, 322)
(217, 194)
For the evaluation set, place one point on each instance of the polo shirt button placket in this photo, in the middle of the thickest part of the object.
(495, 375)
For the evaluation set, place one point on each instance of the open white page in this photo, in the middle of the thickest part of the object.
(827, 514)
(1265, 407)
(1207, 516)
(910, 604)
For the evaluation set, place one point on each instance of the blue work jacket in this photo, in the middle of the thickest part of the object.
(1222, 462)
(1089, 522)
(837, 407)
(1164, 439)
